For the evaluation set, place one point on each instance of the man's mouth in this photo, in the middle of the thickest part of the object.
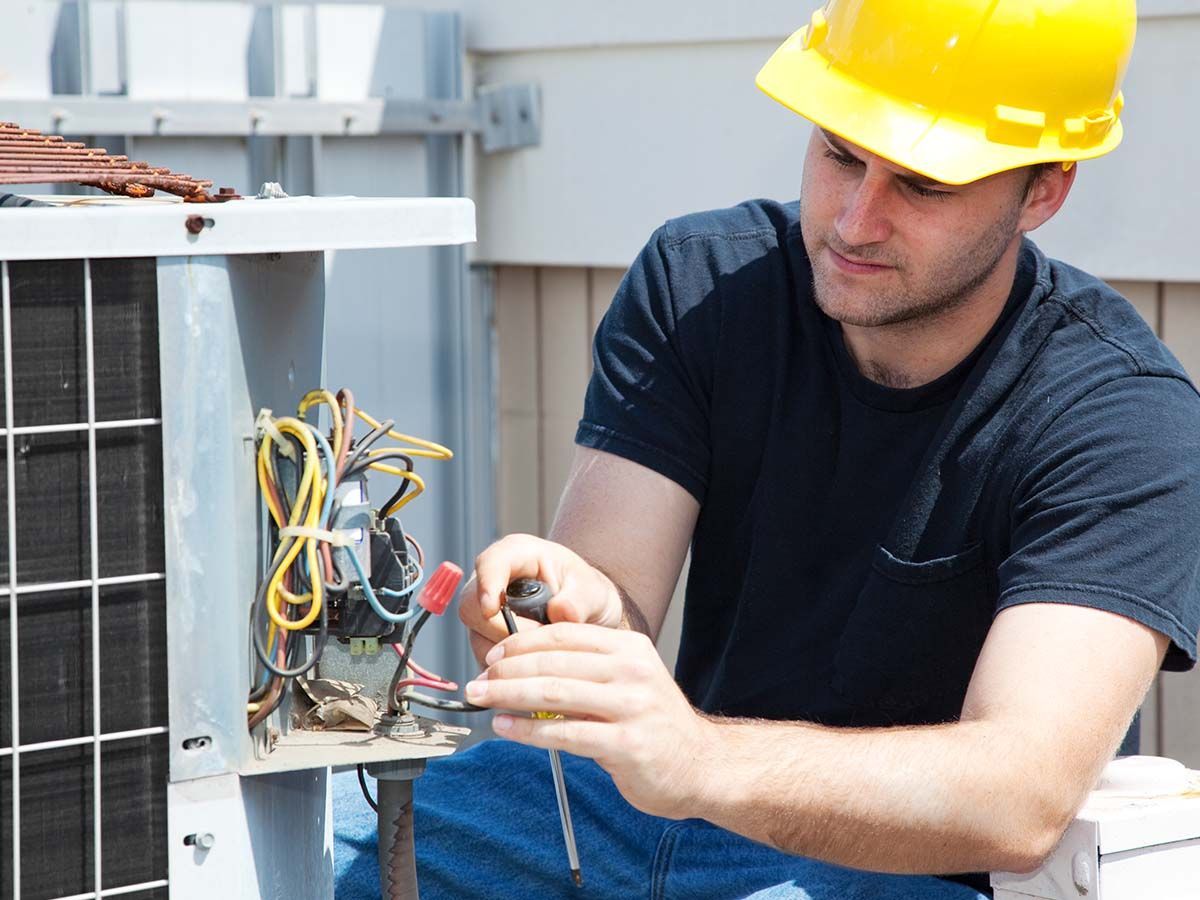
(853, 266)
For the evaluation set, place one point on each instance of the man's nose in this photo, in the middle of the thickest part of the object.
(864, 218)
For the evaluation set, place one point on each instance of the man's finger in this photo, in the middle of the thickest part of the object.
(569, 735)
(600, 668)
(566, 636)
(516, 556)
(562, 696)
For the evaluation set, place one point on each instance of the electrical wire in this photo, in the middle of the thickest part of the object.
(362, 783)
(427, 449)
(369, 593)
(302, 575)
(439, 703)
(365, 444)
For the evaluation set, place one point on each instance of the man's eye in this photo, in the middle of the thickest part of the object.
(844, 161)
(926, 192)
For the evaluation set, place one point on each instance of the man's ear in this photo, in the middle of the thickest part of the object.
(1047, 195)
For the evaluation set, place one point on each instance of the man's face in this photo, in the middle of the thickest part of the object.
(890, 246)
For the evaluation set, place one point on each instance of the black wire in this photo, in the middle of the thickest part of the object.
(362, 446)
(362, 783)
(404, 482)
(364, 464)
(438, 703)
(403, 664)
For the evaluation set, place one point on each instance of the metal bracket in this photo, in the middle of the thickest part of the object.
(505, 116)
(511, 116)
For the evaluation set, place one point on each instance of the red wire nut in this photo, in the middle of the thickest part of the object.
(439, 589)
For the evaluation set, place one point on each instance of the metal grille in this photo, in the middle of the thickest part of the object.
(83, 747)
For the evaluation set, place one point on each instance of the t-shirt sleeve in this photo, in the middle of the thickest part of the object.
(1107, 511)
(649, 396)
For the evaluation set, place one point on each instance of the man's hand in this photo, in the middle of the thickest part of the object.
(581, 593)
(620, 706)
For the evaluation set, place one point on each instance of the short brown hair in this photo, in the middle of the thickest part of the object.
(1033, 173)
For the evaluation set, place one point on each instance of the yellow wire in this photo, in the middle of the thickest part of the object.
(321, 395)
(429, 450)
(311, 482)
(417, 481)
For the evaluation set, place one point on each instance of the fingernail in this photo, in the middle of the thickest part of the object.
(494, 655)
(502, 724)
(475, 689)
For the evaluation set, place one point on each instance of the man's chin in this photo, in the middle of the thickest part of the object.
(861, 311)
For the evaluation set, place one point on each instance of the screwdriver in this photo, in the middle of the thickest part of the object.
(528, 597)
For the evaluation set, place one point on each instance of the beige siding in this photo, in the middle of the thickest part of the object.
(1179, 694)
(519, 500)
(546, 318)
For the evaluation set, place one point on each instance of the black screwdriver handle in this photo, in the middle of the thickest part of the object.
(526, 597)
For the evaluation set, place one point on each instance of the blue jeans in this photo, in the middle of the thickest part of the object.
(487, 826)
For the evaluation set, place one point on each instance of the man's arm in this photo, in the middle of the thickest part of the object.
(619, 539)
(632, 524)
(1052, 694)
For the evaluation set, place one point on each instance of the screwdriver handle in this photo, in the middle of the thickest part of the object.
(528, 597)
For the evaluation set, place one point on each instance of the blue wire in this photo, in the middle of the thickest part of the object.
(394, 618)
(408, 589)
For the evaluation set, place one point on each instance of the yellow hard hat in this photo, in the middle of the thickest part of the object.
(960, 89)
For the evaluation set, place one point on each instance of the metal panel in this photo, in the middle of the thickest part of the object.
(104, 228)
(26, 46)
(208, 54)
(250, 330)
(256, 824)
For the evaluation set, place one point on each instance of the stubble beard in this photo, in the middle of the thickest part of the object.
(910, 298)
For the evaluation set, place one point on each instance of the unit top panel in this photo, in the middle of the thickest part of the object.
(94, 227)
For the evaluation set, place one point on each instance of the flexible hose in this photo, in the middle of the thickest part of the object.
(397, 861)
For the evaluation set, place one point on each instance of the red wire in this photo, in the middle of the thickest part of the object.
(421, 670)
(425, 682)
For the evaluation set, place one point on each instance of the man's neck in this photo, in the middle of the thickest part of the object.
(910, 354)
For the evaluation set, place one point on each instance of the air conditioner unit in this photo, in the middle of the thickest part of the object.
(140, 340)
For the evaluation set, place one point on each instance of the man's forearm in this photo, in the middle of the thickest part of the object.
(933, 799)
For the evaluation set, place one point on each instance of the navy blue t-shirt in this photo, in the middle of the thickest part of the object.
(855, 541)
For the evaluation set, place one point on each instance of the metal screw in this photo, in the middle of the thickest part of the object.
(194, 224)
(204, 840)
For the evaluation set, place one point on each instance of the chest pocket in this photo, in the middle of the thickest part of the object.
(912, 639)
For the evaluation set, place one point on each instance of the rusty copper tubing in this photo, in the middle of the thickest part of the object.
(54, 158)
(10, 140)
(43, 150)
(161, 181)
(115, 169)
(40, 140)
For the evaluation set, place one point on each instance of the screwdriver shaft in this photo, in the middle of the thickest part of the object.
(564, 813)
(560, 783)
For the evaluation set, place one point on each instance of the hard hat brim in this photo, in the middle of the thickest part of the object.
(917, 138)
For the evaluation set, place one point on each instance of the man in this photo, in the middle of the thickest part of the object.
(941, 494)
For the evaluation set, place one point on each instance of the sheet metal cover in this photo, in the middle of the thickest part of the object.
(94, 227)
